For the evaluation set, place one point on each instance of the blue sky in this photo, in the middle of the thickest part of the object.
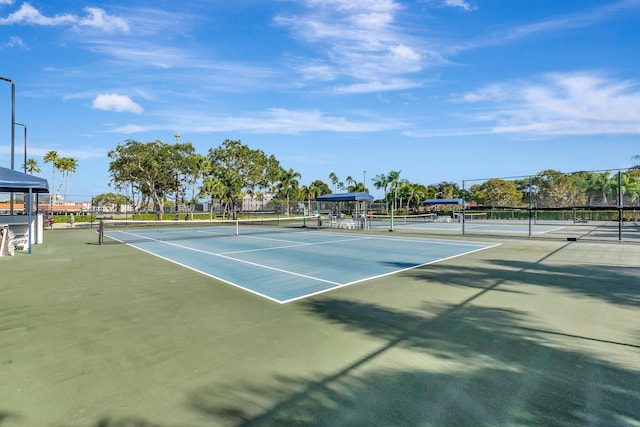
(443, 90)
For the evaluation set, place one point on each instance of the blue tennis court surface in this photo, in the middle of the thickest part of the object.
(287, 266)
(486, 226)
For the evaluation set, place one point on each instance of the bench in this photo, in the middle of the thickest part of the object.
(16, 241)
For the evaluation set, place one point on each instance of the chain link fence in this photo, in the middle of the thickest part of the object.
(593, 205)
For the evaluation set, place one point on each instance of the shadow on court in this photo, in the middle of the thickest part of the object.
(527, 334)
(618, 285)
(514, 373)
(520, 381)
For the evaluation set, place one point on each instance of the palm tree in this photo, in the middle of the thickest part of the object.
(52, 157)
(310, 192)
(67, 165)
(32, 166)
(198, 166)
(334, 180)
(382, 181)
(213, 188)
(288, 183)
(599, 184)
(393, 177)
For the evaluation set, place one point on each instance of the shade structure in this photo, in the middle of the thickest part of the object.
(346, 197)
(12, 181)
(443, 202)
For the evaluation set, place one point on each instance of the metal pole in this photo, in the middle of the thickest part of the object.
(13, 131)
(462, 218)
(620, 206)
(25, 145)
(530, 190)
(30, 227)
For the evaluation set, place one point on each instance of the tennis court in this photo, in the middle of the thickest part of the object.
(530, 332)
(434, 223)
(288, 263)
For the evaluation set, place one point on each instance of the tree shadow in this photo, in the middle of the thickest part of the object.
(617, 285)
(6, 415)
(511, 375)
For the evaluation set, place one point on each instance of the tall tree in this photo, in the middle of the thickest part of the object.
(334, 180)
(497, 192)
(598, 186)
(154, 167)
(214, 188)
(288, 184)
(241, 168)
(68, 166)
(381, 181)
(393, 178)
(52, 157)
(32, 166)
(197, 166)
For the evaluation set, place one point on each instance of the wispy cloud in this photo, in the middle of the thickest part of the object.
(95, 18)
(460, 3)
(583, 103)
(546, 27)
(117, 103)
(13, 42)
(361, 40)
(271, 121)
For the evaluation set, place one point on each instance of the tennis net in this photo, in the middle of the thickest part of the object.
(385, 220)
(132, 231)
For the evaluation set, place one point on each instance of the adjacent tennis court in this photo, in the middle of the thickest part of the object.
(285, 264)
(433, 222)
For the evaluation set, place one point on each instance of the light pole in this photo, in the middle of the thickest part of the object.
(13, 117)
(13, 131)
(364, 180)
(25, 144)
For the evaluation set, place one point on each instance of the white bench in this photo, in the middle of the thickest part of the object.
(16, 241)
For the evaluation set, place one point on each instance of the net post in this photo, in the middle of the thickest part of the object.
(462, 209)
(237, 226)
(620, 206)
(101, 232)
(529, 209)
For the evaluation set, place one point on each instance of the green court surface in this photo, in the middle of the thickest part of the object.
(531, 332)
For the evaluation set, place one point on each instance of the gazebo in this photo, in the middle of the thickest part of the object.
(12, 181)
(346, 197)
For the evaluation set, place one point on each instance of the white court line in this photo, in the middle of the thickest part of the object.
(388, 274)
(296, 245)
(336, 284)
(268, 267)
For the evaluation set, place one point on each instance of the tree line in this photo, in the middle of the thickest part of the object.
(157, 173)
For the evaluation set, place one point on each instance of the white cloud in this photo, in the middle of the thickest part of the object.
(360, 39)
(6, 2)
(584, 103)
(460, 3)
(13, 42)
(115, 102)
(271, 121)
(95, 18)
(547, 27)
(98, 18)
